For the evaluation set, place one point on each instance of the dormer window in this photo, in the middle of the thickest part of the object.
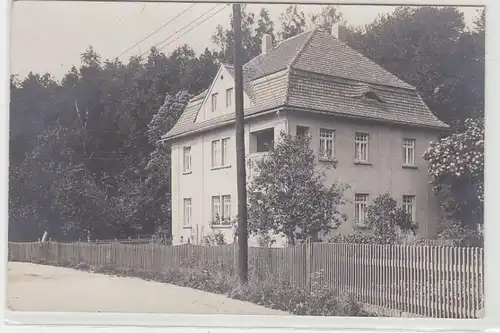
(370, 95)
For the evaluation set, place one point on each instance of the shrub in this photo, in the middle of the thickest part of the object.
(356, 238)
(462, 236)
(215, 238)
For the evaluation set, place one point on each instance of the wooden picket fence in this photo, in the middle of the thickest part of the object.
(398, 280)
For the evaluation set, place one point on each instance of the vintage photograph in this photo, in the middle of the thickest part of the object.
(250, 159)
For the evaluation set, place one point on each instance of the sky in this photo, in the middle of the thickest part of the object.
(49, 37)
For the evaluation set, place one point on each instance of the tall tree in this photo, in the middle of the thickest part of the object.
(293, 22)
(326, 18)
(252, 33)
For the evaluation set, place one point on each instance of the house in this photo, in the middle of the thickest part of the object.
(375, 125)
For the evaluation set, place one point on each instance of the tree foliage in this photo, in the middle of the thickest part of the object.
(294, 21)
(287, 196)
(252, 29)
(456, 165)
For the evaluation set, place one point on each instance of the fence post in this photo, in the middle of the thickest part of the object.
(58, 253)
(189, 252)
(152, 255)
(309, 263)
(235, 256)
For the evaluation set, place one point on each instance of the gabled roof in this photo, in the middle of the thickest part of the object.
(315, 71)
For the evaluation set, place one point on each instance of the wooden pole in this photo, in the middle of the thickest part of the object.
(240, 148)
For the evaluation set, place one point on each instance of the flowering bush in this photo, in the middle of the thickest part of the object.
(456, 165)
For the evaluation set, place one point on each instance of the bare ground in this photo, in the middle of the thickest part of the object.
(32, 287)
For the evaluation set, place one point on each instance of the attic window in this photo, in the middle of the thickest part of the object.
(222, 77)
(370, 95)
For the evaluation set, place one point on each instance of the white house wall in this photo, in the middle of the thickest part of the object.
(222, 81)
(203, 181)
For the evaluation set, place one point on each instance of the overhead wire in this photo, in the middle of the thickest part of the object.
(187, 25)
(157, 30)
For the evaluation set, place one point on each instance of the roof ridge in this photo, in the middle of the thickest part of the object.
(301, 48)
(293, 37)
(293, 60)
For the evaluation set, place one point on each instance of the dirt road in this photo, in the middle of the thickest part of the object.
(33, 287)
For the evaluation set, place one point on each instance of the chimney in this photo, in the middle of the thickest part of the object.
(339, 31)
(267, 43)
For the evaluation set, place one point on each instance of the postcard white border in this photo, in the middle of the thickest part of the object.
(100, 322)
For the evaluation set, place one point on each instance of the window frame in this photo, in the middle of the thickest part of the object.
(214, 99)
(222, 160)
(187, 218)
(224, 148)
(215, 149)
(357, 202)
(411, 204)
(186, 167)
(322, 155)
(226, 203)
(406, 149)
(358, 143)
(215, 213)
(229, 97)
(219, 218)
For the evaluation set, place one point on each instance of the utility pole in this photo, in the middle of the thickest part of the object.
(240, 148)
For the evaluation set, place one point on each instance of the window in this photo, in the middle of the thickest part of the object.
(229, 97)
(221, 153)
(360, 205)
(372, 96)
(225, 152)
(361, 147)
(216, 153)
(214, 102)
(409, 151)
(226, 211)
(187, 212)
(261, 141)
(409, 206)
(221, 210)
(326, 144)
(186, 167)
(215, 209)
(302, 131)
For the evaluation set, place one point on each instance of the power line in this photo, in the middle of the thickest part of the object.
(206, 19)
(154, 32)
(197, 25)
